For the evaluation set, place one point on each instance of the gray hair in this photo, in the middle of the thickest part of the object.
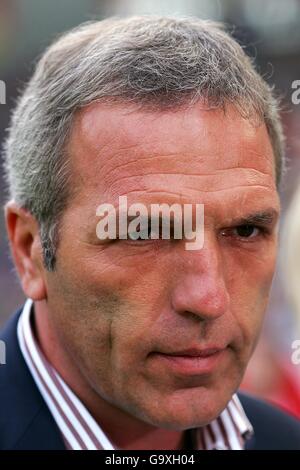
(154, 62)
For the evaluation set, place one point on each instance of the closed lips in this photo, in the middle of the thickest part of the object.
(193, 352)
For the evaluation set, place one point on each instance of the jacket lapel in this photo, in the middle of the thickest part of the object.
(25, 421)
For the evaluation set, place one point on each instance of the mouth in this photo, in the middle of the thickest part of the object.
(191, 361)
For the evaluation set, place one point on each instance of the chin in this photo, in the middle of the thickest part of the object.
(188, 409)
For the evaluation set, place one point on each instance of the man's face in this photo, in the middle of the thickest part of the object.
(122, 307)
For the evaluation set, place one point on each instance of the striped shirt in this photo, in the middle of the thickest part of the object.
(78, 428)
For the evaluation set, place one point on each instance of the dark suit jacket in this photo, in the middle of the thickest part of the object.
(26, 423)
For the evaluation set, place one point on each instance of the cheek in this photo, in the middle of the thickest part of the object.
(129, 274)
(103, 316)
(250, 292)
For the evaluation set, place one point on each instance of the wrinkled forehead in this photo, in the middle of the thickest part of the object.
(117, 149)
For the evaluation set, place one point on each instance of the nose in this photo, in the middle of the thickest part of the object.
(201, 285)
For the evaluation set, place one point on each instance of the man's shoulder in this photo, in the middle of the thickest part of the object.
(25, 421)
(273, 427)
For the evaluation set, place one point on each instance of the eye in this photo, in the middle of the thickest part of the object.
(245, 231)
(140, 235)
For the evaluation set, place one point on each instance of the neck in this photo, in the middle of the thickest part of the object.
(124, 430)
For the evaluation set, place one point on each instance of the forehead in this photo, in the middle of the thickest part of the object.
(118, 150)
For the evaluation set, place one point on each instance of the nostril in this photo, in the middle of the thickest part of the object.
(194, 316)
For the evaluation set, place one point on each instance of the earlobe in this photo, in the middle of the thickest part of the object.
(24, 239)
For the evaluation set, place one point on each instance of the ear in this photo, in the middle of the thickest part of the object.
(25, 244)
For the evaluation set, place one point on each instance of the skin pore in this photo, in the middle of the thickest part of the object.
(105, 311)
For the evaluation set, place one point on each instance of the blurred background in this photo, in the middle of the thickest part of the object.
(270, 31)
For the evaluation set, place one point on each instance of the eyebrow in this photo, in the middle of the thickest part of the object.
(266, 217)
